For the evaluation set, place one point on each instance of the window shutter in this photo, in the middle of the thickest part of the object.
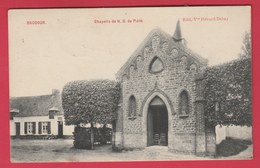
(49, 127)
(25, 128)
(40, 127)
(34, 127)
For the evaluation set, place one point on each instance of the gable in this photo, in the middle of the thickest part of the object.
(158, 39)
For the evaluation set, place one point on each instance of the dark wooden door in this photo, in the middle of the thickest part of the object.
(157, 126)
(17, 129)
(60, 129)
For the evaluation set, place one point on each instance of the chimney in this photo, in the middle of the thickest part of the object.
(55, 92)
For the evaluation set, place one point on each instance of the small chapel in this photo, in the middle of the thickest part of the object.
(162, 101)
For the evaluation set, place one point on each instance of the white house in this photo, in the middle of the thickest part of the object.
(38, 117)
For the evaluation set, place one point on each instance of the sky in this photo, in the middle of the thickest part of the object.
(82, 44)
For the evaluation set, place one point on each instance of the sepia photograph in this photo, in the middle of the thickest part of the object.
(130, 84)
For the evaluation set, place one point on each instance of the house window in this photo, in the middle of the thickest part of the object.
(44, 127)
(184, 103)
(29, 128)
(132, 106)
(11, 116)
(13, 113)
(51, 114)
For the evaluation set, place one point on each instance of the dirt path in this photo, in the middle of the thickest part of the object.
(62, 151)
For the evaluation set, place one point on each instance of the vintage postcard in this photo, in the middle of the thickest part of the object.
(130, 84)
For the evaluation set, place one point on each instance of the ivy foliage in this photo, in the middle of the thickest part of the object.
(94, 101)
(228, 93)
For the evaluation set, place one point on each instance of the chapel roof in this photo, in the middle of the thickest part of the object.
(36, 105)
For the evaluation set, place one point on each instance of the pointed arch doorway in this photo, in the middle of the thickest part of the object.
(157, 123)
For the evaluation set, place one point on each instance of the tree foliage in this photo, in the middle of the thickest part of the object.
(246, 49)
(94, 101)
(228, 86)
(228, 90)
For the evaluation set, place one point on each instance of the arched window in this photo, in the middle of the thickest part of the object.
(184, 103)
(139, 62)
(131, 71)
(184, 62)
(132, 106)
(147, 51)
(193, 67)
(165, 46)
(156, 65)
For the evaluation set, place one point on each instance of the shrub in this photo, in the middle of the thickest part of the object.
(82, 136)
(230, 146)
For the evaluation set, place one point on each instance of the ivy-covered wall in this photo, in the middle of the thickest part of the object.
(228, 93)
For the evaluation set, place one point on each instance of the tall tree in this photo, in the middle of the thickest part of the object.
(246, 49)
(94, 101)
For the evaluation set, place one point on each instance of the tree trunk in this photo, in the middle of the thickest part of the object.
(92, 135)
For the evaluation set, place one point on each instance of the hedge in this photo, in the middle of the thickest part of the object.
(94, 101)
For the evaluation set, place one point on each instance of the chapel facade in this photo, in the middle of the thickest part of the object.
(162, 100)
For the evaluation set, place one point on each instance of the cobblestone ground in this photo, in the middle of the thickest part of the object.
(62, 151)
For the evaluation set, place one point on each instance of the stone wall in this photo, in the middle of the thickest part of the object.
(237, 132)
